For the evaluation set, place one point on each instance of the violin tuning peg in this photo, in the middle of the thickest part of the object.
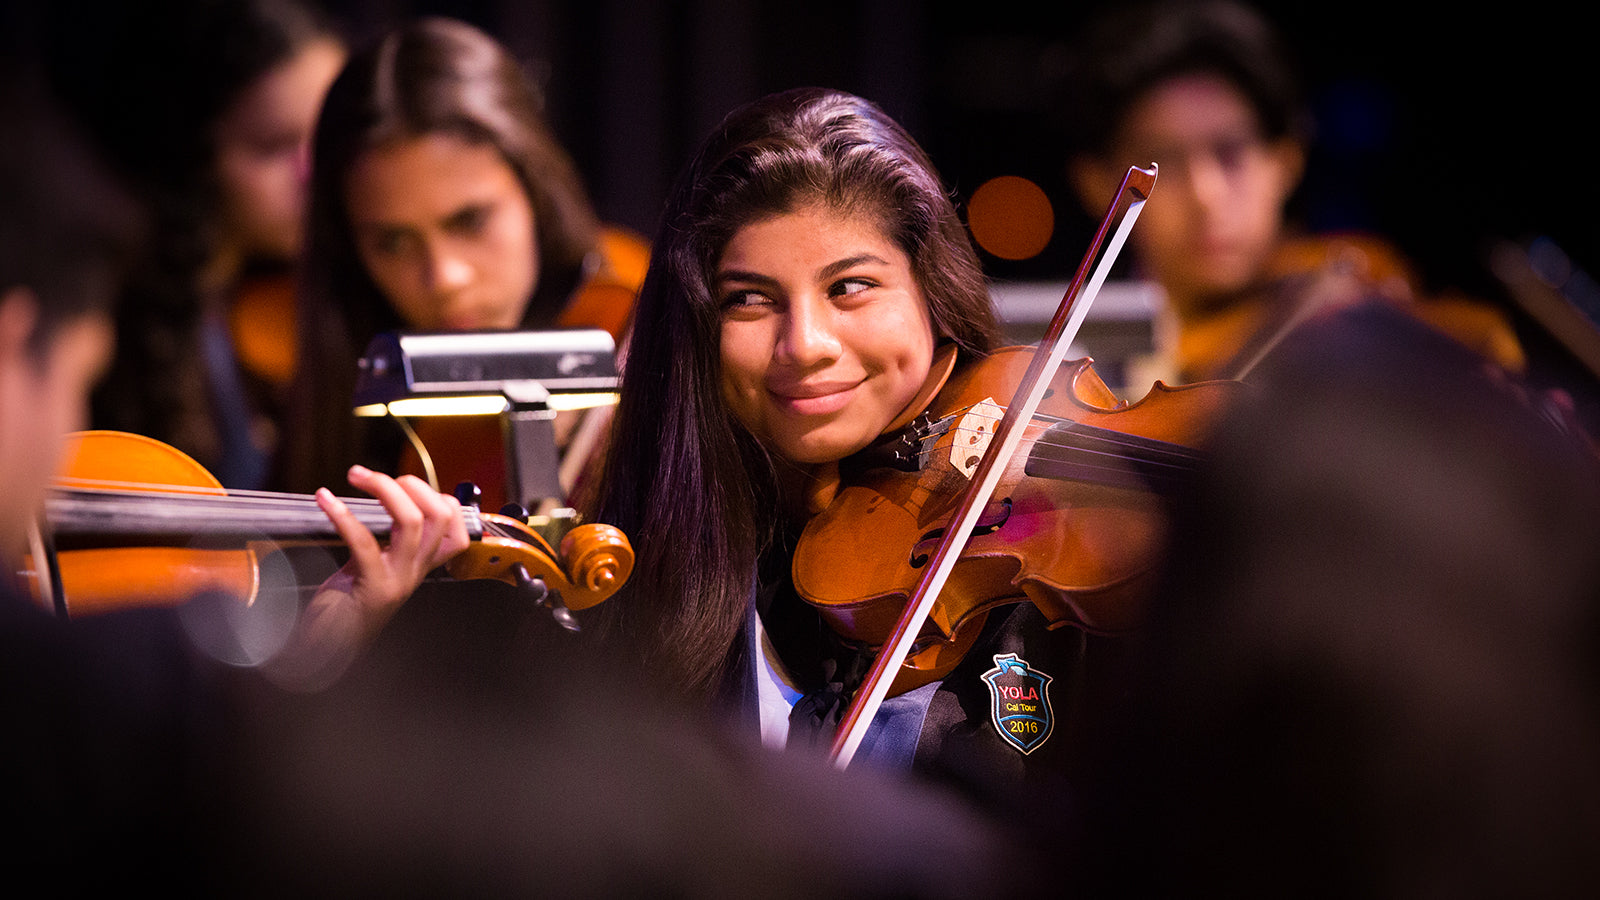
(468, 494)
(535, 588)
(564, 618)
(514, 511)
(541, 595)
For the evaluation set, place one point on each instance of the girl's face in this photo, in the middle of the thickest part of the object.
(446, 231)
(826, 335)
(263, 150)
(1217, 209)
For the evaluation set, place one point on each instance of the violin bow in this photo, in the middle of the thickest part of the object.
(1069, 316)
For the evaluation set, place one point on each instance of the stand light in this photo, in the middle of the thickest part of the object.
(525, 377)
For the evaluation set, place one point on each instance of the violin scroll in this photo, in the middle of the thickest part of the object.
(599, 559)
(595, 561)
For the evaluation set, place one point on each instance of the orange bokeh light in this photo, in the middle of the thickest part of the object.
(1011, 217)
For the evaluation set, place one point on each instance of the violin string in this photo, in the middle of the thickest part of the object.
(1131, 452)
(492, 528)
(186, 490)
(367, 509)
(1146, 450)
(240, 498)
(1177, 462)
(1111, 462)
(1045, 418)
(421, 449)
(1110, 436)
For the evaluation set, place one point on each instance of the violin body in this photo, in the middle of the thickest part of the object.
(1075, 527)
(606, 297)
(261, 321)
(97, 579)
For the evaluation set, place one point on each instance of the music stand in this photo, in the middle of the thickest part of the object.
(525, 377)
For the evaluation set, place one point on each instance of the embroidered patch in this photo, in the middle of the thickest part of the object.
(1019, 703)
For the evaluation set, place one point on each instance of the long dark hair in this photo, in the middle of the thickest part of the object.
(434, 75)
(149, 84)
(694, 491)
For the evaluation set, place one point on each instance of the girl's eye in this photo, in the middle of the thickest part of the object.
(273, 146)
(469, 220)
(847, 286)
(1232, 152)
(741, 299)
(388, 243)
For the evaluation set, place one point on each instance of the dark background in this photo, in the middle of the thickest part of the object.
(1443, 127)
(1440, 127)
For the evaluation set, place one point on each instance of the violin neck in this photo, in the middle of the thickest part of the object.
(81, 518)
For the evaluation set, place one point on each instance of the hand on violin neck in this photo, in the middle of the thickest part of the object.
(428, 531)
(355, 602)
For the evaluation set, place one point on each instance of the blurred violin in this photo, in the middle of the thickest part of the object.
(606, 297)
(131, 521)
(261, 321)
(1311, 275)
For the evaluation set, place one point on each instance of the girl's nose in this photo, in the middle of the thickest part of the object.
(810, 333)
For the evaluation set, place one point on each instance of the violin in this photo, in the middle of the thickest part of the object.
(1310, 275)
(1073, 470)
(131, 521)
(1074, 525)
(261, 322)
(606, 297)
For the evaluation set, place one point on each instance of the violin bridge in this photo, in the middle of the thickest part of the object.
(973, 434)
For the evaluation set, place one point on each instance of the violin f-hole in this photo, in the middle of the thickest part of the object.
(995, 516)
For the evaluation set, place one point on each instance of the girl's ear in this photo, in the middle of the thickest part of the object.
(1289, 157)
(19, 314)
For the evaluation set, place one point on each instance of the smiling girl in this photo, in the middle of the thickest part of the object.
(810, 279)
